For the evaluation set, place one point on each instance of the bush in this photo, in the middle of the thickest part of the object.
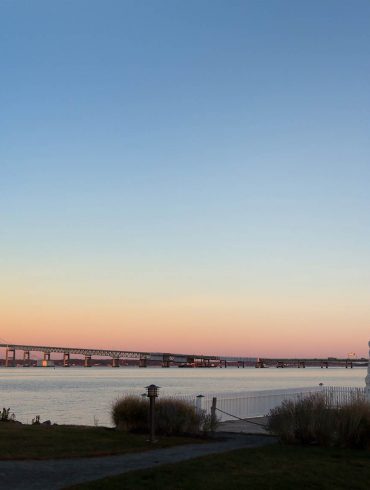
(130, 414)
(311, 421)
(354, 425)
(177, 417)
(6, 416)
(307, 421)
(172, 417)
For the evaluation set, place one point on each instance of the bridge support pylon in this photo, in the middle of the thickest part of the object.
(115, 362)
(143, 363)
(87, 361)
(10, 358)
(66, 359)
(190, 361)
(166, 360)
(26, 358)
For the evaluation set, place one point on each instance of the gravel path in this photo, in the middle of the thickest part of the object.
(58, 474)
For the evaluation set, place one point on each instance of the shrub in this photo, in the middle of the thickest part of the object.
(172, 417)
(354, 425)
(177, 417)
(311, 421)
(210, 423)
(6, 416)
(130, 414)
(280, 422)
(307, 421)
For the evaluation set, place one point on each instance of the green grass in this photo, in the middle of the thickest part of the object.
(272, 467)
(62, 441)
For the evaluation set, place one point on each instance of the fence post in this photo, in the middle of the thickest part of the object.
(213, 414)
(199, 403)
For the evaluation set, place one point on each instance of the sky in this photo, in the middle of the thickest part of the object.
(186, 176)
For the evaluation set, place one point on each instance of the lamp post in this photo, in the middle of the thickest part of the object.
(152, 395)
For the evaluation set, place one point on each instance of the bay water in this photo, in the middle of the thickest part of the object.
(85, 395)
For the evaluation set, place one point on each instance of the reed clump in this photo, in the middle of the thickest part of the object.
(130, 414)
(353, 425)
(172, 417)
(176, 417)
(312, 420)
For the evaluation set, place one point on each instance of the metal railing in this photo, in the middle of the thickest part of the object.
(255, 403)
(338, 396)
(259, 403)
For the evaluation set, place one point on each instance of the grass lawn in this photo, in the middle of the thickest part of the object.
(63, 441)
(271, 467)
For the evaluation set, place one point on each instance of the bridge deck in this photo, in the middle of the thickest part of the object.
(121, 354)
(174, 357)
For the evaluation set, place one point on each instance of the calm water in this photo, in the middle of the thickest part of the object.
(84, 396)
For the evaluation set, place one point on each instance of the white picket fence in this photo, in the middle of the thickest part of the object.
(258, 403)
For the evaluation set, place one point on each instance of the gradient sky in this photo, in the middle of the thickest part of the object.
(186, 175)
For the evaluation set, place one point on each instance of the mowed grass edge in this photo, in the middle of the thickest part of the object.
(63, 441)
(271, 467)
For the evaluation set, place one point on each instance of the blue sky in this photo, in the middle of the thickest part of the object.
(167, 149)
